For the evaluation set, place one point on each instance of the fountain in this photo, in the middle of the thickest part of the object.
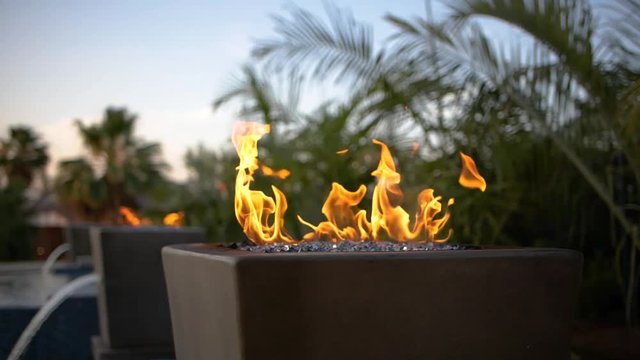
(55, 255)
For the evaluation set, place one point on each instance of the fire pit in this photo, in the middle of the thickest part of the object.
(364, 287)
(78, 237)
(132, 300)
(448, 304)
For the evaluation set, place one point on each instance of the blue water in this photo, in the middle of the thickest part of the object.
(67, 332)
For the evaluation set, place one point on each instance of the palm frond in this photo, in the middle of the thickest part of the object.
(260, 97)
(342, 47)
(564, 26)
(619, 32)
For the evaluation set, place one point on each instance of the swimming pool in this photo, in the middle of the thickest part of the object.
(67, 332)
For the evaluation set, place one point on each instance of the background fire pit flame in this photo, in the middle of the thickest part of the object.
(129, 217)
(174, 219)
(345, 221)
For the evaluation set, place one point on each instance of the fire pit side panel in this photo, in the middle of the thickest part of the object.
(203, 298)
(463, 304)
(476, 304)
(78, 237)
(132, 298)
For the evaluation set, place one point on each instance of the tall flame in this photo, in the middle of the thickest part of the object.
(389, 217)
(253, 208)
(469, 176)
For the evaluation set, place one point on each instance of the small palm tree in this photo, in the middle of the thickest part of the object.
(119, 169)
(22, 156)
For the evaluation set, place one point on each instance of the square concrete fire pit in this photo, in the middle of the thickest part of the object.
(79, 239)
(132, 299)
(455, 304)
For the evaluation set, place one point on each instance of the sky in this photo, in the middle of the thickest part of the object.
(164, 60)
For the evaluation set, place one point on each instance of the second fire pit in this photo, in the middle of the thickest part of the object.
(132, 300)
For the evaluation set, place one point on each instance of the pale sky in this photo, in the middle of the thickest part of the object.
(166, 61)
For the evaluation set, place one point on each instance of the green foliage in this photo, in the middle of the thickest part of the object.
(77, 184)
(14, 224)
(119, 171)
(23, 158)
(207, 196)
(341, 48)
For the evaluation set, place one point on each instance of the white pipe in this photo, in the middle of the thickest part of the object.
(55, 254)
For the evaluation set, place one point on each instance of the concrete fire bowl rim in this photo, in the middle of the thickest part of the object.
(219, 251)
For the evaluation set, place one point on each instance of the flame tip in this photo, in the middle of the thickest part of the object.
(469, 176)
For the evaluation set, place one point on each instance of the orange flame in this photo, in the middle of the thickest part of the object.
(129, 217)
(174, 219)
(344, 219)
(469, 176)
(280, 174)
(388, 216)
(253, 208)
(388, 219)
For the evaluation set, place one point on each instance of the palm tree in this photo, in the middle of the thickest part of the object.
(22, 156)
(77, 185)
(119, 169)
(563, 106)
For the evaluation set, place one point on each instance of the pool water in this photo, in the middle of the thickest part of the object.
(67, 332)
